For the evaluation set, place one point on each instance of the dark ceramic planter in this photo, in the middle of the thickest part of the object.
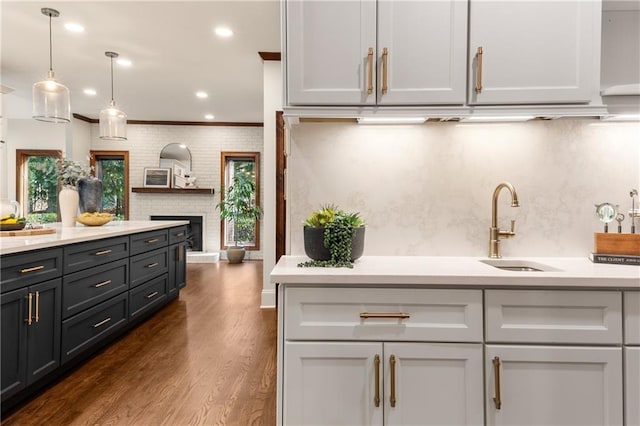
(314, 243)
(90, 192)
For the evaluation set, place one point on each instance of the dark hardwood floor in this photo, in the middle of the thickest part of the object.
(208, 358)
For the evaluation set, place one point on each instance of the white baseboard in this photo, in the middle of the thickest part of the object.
(268, 299)
(202, 257)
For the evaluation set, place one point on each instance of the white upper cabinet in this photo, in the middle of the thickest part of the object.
(533, 52)
(363, 52)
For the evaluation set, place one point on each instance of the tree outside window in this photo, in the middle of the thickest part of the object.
(37, 184)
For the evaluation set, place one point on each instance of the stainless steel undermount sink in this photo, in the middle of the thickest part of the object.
(518, 265)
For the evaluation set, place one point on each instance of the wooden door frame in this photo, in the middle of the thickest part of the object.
(125, 155)
(281, 196)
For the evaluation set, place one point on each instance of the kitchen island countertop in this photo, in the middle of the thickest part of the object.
(81, 233)
(570, 272)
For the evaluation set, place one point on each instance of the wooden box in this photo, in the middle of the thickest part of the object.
(628, 244)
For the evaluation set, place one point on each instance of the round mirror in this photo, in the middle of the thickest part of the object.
(606, 212)
(176, 154)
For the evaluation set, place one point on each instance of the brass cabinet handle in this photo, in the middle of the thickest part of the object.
(29, 310)
(100, 253)
(385, 58)
(376, 398)
(370, 71)
(154, 240)
(35, 268)
(152, 265)
(180, 252)
(479, 53)
(37, 306)
(400, 315)
(179, 234)
(152, 295)
(104, 321)
(392, 398)
(103, 283)
(497, 400)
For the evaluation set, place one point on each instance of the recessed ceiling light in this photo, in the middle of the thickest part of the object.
(209, 117)
(124, 62)
(202, 95)
(90, 92)
(73, 27)
(223, 32)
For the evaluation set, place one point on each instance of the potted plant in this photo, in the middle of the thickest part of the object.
(237, 205)
(69, 173)
(333, 237)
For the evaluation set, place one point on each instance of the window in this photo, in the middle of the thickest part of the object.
(37, 184)
(112, 168)
(247, 233)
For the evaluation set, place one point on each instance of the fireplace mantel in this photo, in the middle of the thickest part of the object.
(142, 190)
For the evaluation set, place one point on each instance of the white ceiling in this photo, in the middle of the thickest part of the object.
(171, 44)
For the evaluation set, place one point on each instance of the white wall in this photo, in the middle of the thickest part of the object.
(272, 102)
(426, 190)
(205, 143)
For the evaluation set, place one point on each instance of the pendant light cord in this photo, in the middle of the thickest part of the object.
(50, 46)
(112, 79)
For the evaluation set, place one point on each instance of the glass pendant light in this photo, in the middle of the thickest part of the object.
(51, 98)
(113, 122)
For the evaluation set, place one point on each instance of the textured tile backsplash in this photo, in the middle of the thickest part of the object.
(426, 190)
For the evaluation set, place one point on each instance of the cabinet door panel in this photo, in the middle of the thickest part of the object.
(555, 386)
(327, 45)
(44, 332)
(534, 52)
(331, 384)
(632, 317)
(427, 51)
(436, 384)
(632, 385)
(13, 306)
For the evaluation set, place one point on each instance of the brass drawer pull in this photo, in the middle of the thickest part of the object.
(376, 398)
(100, 253)
(385, 59)
(400, 315)
(497, 400)
(35, 268)
(180, 234)
(152, 265)
(152, 295)
(370, 71)
(103, 283)
(104, 321)
(154, 240)
(392, 398)
(479, 53)
(37, 306)
(29, 310)
(180, 253)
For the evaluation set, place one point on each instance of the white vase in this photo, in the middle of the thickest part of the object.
(68, 199)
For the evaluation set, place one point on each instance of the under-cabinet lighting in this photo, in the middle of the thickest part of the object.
(391, 120)
(621, 117)
(497, 118)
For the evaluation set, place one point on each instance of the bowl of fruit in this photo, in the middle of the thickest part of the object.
(94, 219)
(12, 223)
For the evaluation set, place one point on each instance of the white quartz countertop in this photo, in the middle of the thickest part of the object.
(567, 272)
(81, 233)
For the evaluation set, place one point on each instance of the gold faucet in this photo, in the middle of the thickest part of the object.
(495, 233)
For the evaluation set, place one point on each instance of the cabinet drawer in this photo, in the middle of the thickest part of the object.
(146, 241)
(148, 265)
(553, 316)
(177, 234)
(145, 297)
(87, 255)
(85, 289)
(23, 269)
(632, 317)
(349, 314)
(91, 326)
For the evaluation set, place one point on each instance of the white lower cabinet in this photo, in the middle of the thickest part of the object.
(632, 386)
(372, 383)
(553, 385)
